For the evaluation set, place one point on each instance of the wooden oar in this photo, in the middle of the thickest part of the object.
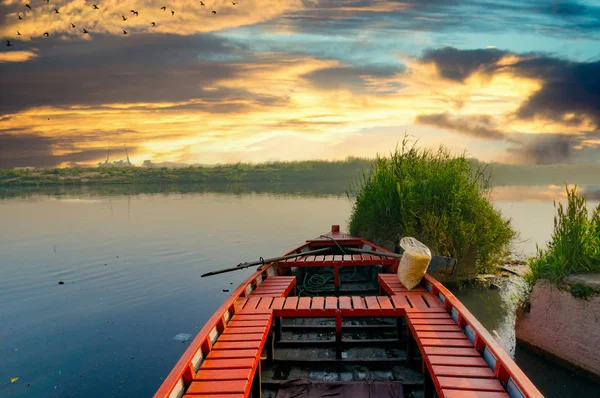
(265, 261)
(444, 265)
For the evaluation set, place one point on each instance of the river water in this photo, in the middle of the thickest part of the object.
(131, 261)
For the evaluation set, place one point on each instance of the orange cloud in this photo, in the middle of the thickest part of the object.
(17, 56)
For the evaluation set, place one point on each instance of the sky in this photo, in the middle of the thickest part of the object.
(507, 81)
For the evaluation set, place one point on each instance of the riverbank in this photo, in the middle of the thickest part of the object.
(337, 172)
(563, 325)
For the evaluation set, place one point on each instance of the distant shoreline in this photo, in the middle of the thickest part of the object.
(338, 173)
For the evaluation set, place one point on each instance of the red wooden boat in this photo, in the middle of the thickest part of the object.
(339, 320)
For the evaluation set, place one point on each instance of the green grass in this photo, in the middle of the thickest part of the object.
(575, 243)
(436, 197)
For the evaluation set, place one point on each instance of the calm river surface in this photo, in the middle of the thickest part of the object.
(131, 266)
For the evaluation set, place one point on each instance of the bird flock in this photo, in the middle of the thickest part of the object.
(85, 31)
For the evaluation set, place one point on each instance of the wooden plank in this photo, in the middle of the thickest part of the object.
(421, 321)
(243, 317)
(446, 342)
(437, 328)
(278, 303)
(224, 374)
(304, 303)
(400, 301)
(217, 396)
(433, 315)
(290, 303)
(237, 345)
(338, 258)
(331, 303)
(385, 303)
(265, 302)
(318, 303)
(240, 337)
(252, 302)
(463, 371)
(472, 384)
(372, 303)
(456, 361)
(244, 330)
(472, 394)
(358, 303)
(217, 387)
(441, 335)
(239, 304)
(244, 324)
(452, 351)
(232, 354)
(345, 303)
(417, 301)
(219, 364)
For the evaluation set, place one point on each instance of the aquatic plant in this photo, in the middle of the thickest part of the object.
(574, 246)
(436, 197)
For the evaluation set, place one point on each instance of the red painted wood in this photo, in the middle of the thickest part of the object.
(456, 361)
(304, 303)
(463, 371)
(278, 303)
(432, 322)
(231, 354)
(385, 302)
(236, 345)
(216, 396)
(240, 337)
(265, 302)
(345, 303)
(473, 394)
(417, 301)
(217, 387)
(244, 324)
(224, 374)
(426, 315)
(331, 303)
(244, 330)
(227, 363)
(437, 328)
(441, 335)
(400, 301)
(252, 302)
(452, 351)
(318, 303)
(358, 303)
(242, 317)
(472, 384)
(290, 303)
(372, 303)
(239, 304)
(446, 342)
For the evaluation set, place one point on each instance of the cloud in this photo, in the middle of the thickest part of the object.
(17, 56)
(479, 126)
(458, 65)
(353, 78)
(21, 150)
(546, 149)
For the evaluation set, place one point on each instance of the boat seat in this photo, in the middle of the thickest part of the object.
(390, 284)
(455, 366)
(231, 366)
(276, 286)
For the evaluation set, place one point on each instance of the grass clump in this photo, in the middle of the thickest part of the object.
(436, 197)
(574, 247)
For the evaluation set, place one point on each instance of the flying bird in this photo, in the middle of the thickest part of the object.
(72, 25)
(163, 8)
(201, 3)
(136, 13)
(214, 13)
(85, 31)
(172, 12)
(233, 3)
(153, 24)
(46, 34)
(28, 6)
(124, 32)
(96, 7)
(18, 33)
(20, 17)
(124, 18)
(8, 43)
(56, 11)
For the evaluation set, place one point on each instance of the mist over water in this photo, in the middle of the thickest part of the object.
(131, 262)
